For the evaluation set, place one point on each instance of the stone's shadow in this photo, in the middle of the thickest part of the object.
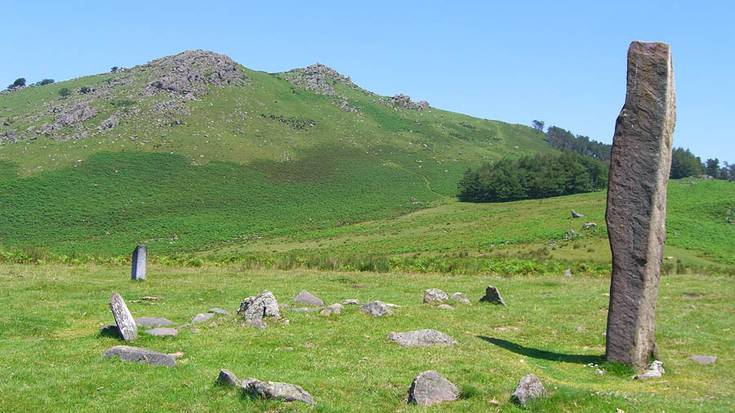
(543, 354)
(110, 331)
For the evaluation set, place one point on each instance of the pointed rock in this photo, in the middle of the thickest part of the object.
(429, 388)
(492, 295)
(529, 388)
(306, 298)
(227, 378)
(253, 309)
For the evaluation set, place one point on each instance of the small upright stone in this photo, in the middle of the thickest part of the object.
(124, 320)
(140, 256)
(227, 378)
(376, 309)
(429, 388)
(528, 388)
(492, 295)
(435, 296)
(306, 298)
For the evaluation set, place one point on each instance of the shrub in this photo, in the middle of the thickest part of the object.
(64, 92)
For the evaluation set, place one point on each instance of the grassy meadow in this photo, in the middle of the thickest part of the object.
(51, 349)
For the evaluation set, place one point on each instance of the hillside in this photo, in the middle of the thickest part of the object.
(193, 150)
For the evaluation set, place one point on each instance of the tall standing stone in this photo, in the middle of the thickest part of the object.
(140, 255)
(124, 320)
(636, 202)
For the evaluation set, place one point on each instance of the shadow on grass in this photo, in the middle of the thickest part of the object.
(543, 354)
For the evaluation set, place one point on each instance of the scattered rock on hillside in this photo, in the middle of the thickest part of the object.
(376, 309)
(404, 102)
(153, 322)
(189, 73)
(435, 296)
(704, 360)
(109, 123)
(421, 338)
(276, 391)
(460, 298)
(202, 317)
(255, 308)
(317, 78)
(429, 388)
(655, 370)
(576, 214)
(68, 116)
(306, 298)
(351, 301)
(163, 332)
(123, 318)
(141, 355)
(529, 388)
(332, 309)
(227, 378)
(492, 295)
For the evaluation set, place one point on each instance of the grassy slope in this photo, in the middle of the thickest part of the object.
(50, 351)
(467, 236)
(230, 172)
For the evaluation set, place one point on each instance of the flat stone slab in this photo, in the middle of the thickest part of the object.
(153, 322)
(703, 360)
(421, 338)
(276, 391)
(333, 309)
(306, 298)
(141, 355)
(460, 298)
(123, 318)
(163, 332)
(529, 388)
(429, 388)
(377, 309)
(202, 317)
(217, 310)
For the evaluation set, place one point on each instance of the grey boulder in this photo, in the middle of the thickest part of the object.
(460, 298)
(376, 309)
(435, 296)
(141, 355)
(259, 306)
(529, 388)
(276, 391)
(306, 298)
(429, 388)
(227, 378)
(421, 338)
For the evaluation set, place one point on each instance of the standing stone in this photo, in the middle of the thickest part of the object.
(529, 388)
(492, 295)
(636, 202)
(254, 308)
(140, 255)
(124, 320)
(430, 388)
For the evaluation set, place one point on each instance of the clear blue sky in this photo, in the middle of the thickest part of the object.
(559, 61)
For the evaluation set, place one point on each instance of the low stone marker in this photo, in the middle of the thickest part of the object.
(163, 332)
(202, 317)
(421, 338)
(460, 298)
(703, 360)
(217, 310)
(636, 202)
(376, 309)
(153, 322)
(141, 355)
(576, 214)
(429, 388)
(276, 391)
(655, 371)
(306, 298)
(124, 320)
(492, 295)
(435, 296)
(529, 388)
(140, 256)
(227, 378)
(255, 308)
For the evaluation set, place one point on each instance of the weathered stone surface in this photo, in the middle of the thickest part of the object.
(589, 225)
(217, 310)
(460, 298)
(421, 338)
(704, 360)
(351, 301)
(141, 355)
(435, 296)
(123, 319)
(376, 309)
(163, 332)
(445, 307)
(153, 322)
(140, 256)
(227, 378)
(636, 202)
(276, 391)
(568, 272)
(529, 388)
(259, 306)
(429, 388)
(306, 298)
(655, 370)
(576, 214)
(202, 317)
(492, 295)
(332, 309)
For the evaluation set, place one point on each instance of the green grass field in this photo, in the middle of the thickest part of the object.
(51, 351)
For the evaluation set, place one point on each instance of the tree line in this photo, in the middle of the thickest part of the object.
(532, 177)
